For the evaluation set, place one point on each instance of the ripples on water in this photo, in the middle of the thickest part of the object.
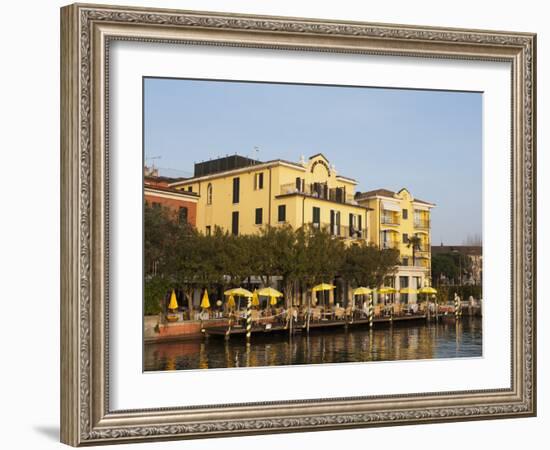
(385, 343)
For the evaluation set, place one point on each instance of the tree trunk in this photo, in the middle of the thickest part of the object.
(189, 297)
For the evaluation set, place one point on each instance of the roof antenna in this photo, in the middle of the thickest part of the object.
(257, 150)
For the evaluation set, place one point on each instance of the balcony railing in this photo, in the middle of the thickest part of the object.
(342, 231)
(390, 244)
(320, 190)
(422, 224)
(390, 219)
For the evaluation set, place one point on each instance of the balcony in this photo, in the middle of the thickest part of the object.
(321, 191)
(390, 245)
(422, 224)
(390, 218)
(342, 231)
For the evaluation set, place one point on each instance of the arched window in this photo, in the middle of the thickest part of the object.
(209, 194)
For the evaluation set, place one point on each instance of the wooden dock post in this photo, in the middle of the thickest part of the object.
(371, 311)
(457, 307)
(228, 332)
(248, 320)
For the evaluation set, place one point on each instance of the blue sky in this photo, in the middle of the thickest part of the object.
(427, 141)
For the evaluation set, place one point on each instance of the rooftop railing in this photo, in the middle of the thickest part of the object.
(321, 191)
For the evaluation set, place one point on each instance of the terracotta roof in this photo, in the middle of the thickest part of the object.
(375, 192)
(387, 193)
(170, 190)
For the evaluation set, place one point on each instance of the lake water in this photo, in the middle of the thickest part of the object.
(404, 341)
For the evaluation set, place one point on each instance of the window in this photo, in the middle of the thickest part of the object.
(359, 222)
(335, 222)
(281, 213)
(235, 222)
(259, 181)
(351, 225)
(209, 194)
(190, 189)
(405, 214)
(405, 238)
(182, 216)
(405, 261)
(417, 282)
(300, 184)
(208, 230)
(236, 189)
(403, 282)
(259, 214)
(316, 217)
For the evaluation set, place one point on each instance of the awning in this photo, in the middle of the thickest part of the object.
(391, 206)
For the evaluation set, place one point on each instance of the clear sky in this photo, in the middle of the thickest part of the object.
(427, 141)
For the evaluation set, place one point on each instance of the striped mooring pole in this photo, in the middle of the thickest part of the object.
(371, 311)
(457, 307)
(248, 320)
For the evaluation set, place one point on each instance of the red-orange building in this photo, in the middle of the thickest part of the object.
(182, 203)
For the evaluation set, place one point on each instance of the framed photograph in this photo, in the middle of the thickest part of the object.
(276, 224)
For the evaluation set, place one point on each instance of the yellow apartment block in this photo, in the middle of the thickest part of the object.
(394, 218)
(241, 195)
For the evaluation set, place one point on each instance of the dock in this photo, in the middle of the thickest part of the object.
(264, 329)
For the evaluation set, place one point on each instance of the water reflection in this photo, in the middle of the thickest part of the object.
(445, 339)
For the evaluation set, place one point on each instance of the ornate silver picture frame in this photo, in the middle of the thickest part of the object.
(87, 31)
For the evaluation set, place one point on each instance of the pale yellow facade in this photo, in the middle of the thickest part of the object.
(394, 217)
(311, 191)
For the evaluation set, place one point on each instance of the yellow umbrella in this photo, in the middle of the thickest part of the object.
(273, 301)
(387, 290)
(173, 301)
(362, 291)
(323, 287)
(270, 292)
(428, 290)
(255, 299)
(205, 303)
(408, 291)
(239, 292)
(231, 302)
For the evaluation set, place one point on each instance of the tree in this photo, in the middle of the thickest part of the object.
(450, 267)
(367, 265)
(414, 243)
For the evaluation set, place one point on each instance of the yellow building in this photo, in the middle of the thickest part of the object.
(241, 195)
(395, 217)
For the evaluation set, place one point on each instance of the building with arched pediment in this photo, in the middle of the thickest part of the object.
(241, 195)
(394, 219)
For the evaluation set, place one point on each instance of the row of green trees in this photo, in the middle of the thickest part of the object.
(178, 256)
(451, 268)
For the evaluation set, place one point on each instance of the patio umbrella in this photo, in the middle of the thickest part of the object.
(173, 301)
(231, 302)
(270, 292)
(255, 298)
(240, 292)
(362, 291)
(427, 290)
(205, 302)
(273, 301)
(323, 287)
(408, 291)
(387, 290)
